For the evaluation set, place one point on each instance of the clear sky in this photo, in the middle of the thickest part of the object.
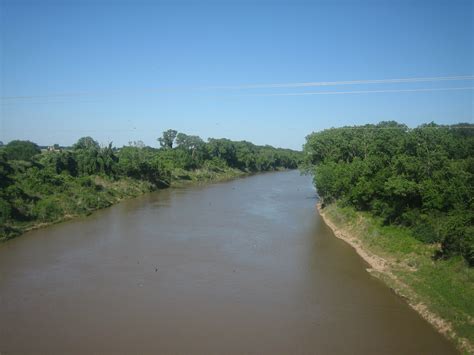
(127, 70)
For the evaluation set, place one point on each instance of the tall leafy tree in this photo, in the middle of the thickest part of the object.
(86, 143)
(167, 139)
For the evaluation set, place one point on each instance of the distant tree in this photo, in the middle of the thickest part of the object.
(139, 164)
(5, 170)
(107, 160)
(59, 162)
(92, 159)
(167, 140)
(131, 161)
(86, 143)
(188, 142)
(223, 149)
(21, 150)
(137, 144)
(194, 145)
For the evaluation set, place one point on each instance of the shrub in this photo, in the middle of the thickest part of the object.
(21, 150)
(5, 211)
(47, 209)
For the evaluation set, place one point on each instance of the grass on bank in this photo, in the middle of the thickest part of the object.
(70, 197)
(446, 287)
(181, 177)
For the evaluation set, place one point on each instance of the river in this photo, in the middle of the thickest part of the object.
(241, 267)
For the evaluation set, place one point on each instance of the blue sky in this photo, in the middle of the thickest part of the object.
(127, 70)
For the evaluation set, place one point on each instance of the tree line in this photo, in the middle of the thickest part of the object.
(422, 178)
(41, 186)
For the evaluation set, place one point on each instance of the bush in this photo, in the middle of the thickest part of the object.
(5, 211)
(458, 238)
(47, 210)
(215, 165)
(21, 150)
(425, 233)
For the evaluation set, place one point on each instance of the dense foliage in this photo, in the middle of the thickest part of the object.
(21, 150)
(41, 187)
(421, 178)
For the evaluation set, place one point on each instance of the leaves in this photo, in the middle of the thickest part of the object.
(45, 187)
(398, 173)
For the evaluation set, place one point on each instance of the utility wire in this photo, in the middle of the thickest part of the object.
(351, 82)
(245, 87)
(363, 91)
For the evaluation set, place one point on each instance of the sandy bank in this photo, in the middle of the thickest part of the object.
(382, 268)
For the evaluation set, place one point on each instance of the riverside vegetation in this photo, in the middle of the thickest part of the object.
(405, 197)
(42, 187)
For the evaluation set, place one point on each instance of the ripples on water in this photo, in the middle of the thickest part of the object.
(244, 266)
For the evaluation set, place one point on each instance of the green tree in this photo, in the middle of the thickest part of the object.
(167, 139)
(422, 178)
(21, 150)
(223, 149)
(60, 162)
(194, 146)
(86, 143)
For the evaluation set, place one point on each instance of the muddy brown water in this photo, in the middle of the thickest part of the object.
(241, 267)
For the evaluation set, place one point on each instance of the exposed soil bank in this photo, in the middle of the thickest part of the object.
(385, 268)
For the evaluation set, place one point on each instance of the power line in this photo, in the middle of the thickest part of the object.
(363, 91)
(351, 82)
(246, 87)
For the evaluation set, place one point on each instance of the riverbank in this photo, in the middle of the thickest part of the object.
(210, 259)
(204, 176)
(440, 291)
(81, 198)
